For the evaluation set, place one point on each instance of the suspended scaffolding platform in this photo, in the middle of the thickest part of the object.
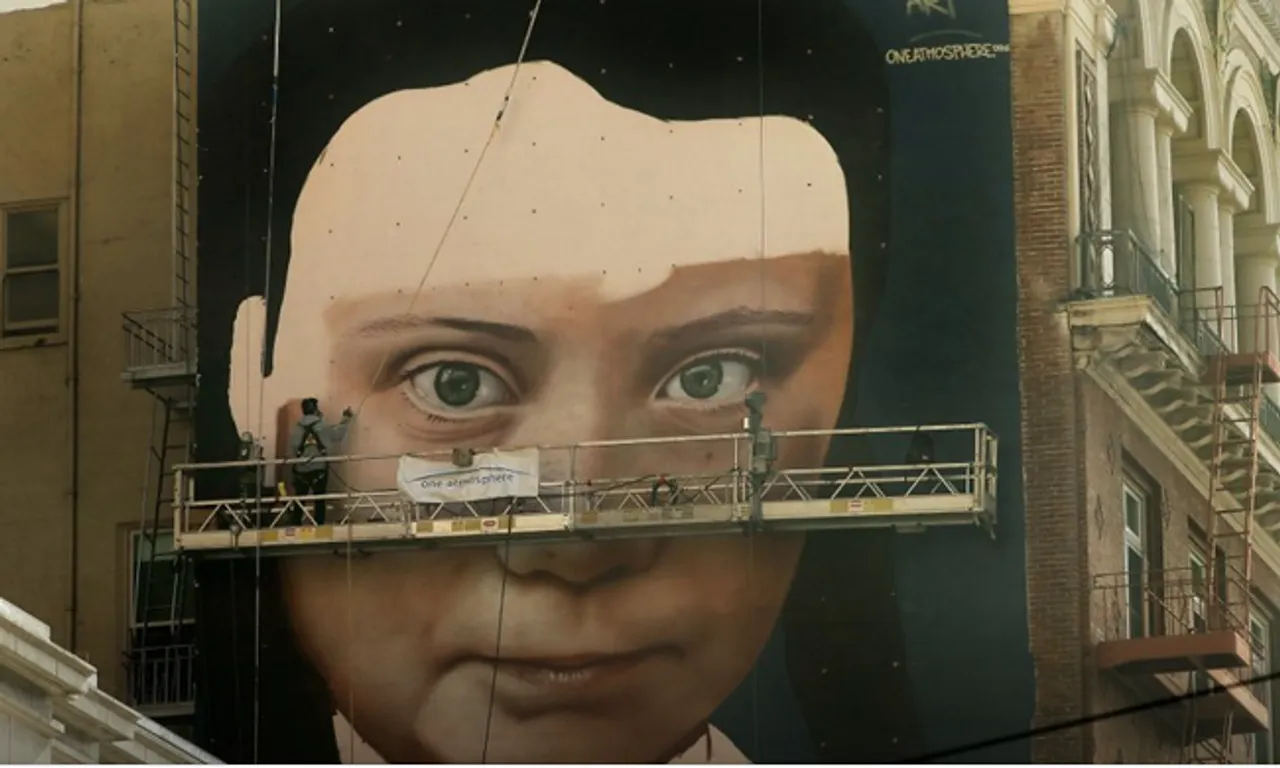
(922, 491)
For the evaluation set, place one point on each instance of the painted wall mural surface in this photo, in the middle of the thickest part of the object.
(685, 201)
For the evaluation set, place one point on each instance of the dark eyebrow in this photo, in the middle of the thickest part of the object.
(407, 323)
(729, 320)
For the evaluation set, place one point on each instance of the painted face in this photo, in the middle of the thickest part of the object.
(602, 279)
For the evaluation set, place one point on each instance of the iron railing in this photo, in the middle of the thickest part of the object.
(159, 340)
(1173, 601)
(162, 677)
(691, 470)
(1118, 263)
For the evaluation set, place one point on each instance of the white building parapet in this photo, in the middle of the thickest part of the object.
(52, 711)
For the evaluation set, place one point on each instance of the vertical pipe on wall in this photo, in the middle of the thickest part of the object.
(73, 321)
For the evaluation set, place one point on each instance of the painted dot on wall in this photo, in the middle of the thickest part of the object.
(739, 58)
(399, 23)
(604, 71)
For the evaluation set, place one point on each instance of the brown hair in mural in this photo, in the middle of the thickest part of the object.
(611, 273)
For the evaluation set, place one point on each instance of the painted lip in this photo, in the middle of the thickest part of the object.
(569, 679)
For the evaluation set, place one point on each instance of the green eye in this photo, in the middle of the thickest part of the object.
(456, 385)
(710, 379)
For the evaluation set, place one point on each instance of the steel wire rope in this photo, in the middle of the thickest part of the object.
(457, 209)
(262, 370)
(466, 188)
(497, 642)
(246, 261)
(435, 256)
(752, 586)
(351, 663)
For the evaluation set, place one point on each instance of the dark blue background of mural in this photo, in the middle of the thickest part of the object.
(944, 351)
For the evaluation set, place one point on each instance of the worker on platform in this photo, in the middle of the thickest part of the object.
(312, 440)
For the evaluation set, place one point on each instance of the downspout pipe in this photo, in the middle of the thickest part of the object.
(73, 320)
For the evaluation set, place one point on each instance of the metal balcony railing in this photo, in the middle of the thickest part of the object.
(159, 342)
(1117, 263)
(162, 677)
(1170, 602)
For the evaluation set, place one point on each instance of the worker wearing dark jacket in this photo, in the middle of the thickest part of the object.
(312, 439)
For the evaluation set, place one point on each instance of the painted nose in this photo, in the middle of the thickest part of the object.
(581, 564)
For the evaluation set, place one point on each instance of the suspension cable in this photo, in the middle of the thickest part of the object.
(466, 188)
(262, 378)
(497, 643)
(351, 664)
(752, 585)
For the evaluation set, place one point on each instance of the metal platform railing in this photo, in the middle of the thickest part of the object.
(159, 343)
(1171, 602)
(162, 677)
(703, 486)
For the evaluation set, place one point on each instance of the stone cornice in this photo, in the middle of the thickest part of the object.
(1151, 89)
(1023, 7)
(1096, 17)
(1256, 238)
(1216, 169)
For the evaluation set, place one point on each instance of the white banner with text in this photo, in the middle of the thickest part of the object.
(492, 475)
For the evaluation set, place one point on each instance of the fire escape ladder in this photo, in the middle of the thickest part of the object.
(1235, 380)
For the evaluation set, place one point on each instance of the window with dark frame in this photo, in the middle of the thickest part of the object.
(1135, 557)
(1260, 624)
(162, 593)
(31, 243)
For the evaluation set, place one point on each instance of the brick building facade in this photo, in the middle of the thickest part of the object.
(1144, 138)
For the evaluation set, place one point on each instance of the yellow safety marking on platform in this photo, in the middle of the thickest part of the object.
(305, 533)
(873, 506)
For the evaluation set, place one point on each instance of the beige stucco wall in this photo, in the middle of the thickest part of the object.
(124, 238)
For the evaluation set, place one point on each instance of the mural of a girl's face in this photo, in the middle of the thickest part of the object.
(602, 280)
